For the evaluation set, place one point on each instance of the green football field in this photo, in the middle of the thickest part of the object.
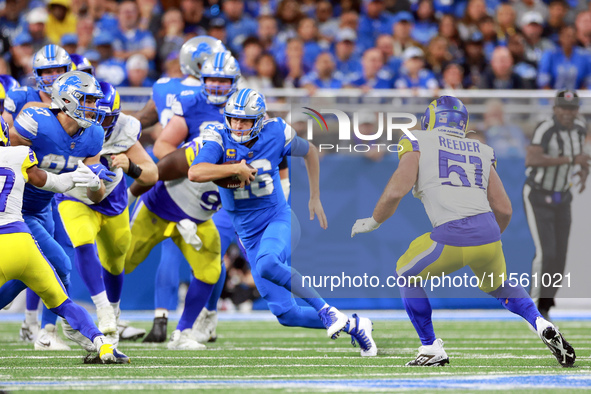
(262, 356)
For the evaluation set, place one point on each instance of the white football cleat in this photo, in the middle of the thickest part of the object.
(205, 325)
(184, 341)
(560, 348)
(431, 355)
(334, 321)
(28, 332)
(76, 336)
(362, 334)
(47, 339)
(129, 333)
(107, 322)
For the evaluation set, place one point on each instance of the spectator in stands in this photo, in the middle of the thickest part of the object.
(37, 20)
(346, 60)
(108, 68)
(385, 43)
(323, 76)
(294, 62)
(137, 68)
(532, 27)
(130, 40)
(506, 18)
(525, 70)
(61, 20)
(448, 29)
(267, 75)
(69, 42)
(349, 20)
(103, 20)
(376, 21)
(196, 22)
(500, 74)
(328, 25)
(414, 75)
(583, 27)
(21, 58)
(453, 77)
(401, 31)
(505, 138)
(84, 31)
(438, 56)
(475, 61)
(288, 15)
(308, 32)
(373, 74)
(172, 67)
(258, 8)
(566, 67)
(488, 29)
(557, 11)
(238, 25)
(475, 11)
(251, 51)
(10, 18)
(217, 29)
(149, 16)
(171, 36)
(426, 26)
(522, 7)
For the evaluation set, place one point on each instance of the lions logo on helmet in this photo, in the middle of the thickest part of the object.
(50, 57)
(72, 92)
(195, 51)
(448, 115)
(245, 104)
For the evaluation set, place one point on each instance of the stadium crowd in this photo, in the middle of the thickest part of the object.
(383, 44)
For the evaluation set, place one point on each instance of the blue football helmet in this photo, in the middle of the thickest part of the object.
(195, 51)
(111, 105)
(50, 56)
(245, 104)
(220, 65)
(81, 63)
(4, 137)
(447, 114)
(6, 83)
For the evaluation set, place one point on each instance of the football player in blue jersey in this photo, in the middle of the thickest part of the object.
(70, 132)
(22, 259)
(49, 63)
(106, 223)
(7, 83)
(261, 215)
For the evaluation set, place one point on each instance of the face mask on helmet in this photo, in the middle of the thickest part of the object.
(49, 63)
(246, 104)
(195, 52)
(111, 105)
(219, 76)
(448, 115)
(76, 93)
(4, 138)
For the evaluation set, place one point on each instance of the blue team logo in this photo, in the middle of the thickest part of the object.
(260, 102)
(201, 49)
(72, 80)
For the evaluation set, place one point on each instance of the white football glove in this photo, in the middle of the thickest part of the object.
(82, 176)
(364, 226)
(188, 230)
(94, 183)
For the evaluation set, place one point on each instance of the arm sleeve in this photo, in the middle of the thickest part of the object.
(26, 125)
(30, 161)
(298, 147)
(407, 145)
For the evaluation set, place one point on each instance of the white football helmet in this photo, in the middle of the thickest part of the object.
(245, 104)
(195, 51)
(220, 65)
(50, 56)
(71, 93)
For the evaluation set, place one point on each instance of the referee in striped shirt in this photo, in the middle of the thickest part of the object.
(553, 159)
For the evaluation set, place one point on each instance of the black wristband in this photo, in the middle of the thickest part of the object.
(134, 170)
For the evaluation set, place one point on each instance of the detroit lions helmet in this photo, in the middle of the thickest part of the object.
(6, 83)
(4, 137)
(220, 65)
(50, 56)
(82, 64)
(245, 104)
(194, 53)
(111, 105)
(447, 114)
(72, 92)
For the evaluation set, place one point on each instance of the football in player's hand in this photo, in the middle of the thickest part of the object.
(230, 182)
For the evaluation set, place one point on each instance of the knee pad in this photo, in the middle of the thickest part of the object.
(289, 317)
(270, 268)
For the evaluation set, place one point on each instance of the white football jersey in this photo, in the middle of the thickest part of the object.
(14, 162)
(125, 134)
(453, 175)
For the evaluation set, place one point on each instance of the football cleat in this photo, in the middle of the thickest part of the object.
(205, 325)
(110, 355)
(129, 333)
(47, 339)
(362, 334)
(431, 355)
(184, 341)
(560, 348)
(28, 332)
(158, 331)
(333, 320)
(107, 323)
(76, 336)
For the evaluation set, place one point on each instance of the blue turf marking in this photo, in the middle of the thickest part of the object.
(468, 383)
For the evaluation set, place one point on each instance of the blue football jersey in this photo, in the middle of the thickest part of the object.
(197, 111)
(56, 151)
(164, 92)
(18, 97)
(253, 206)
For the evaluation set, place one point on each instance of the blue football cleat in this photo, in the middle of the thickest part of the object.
(362, 334)
(333, 320)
